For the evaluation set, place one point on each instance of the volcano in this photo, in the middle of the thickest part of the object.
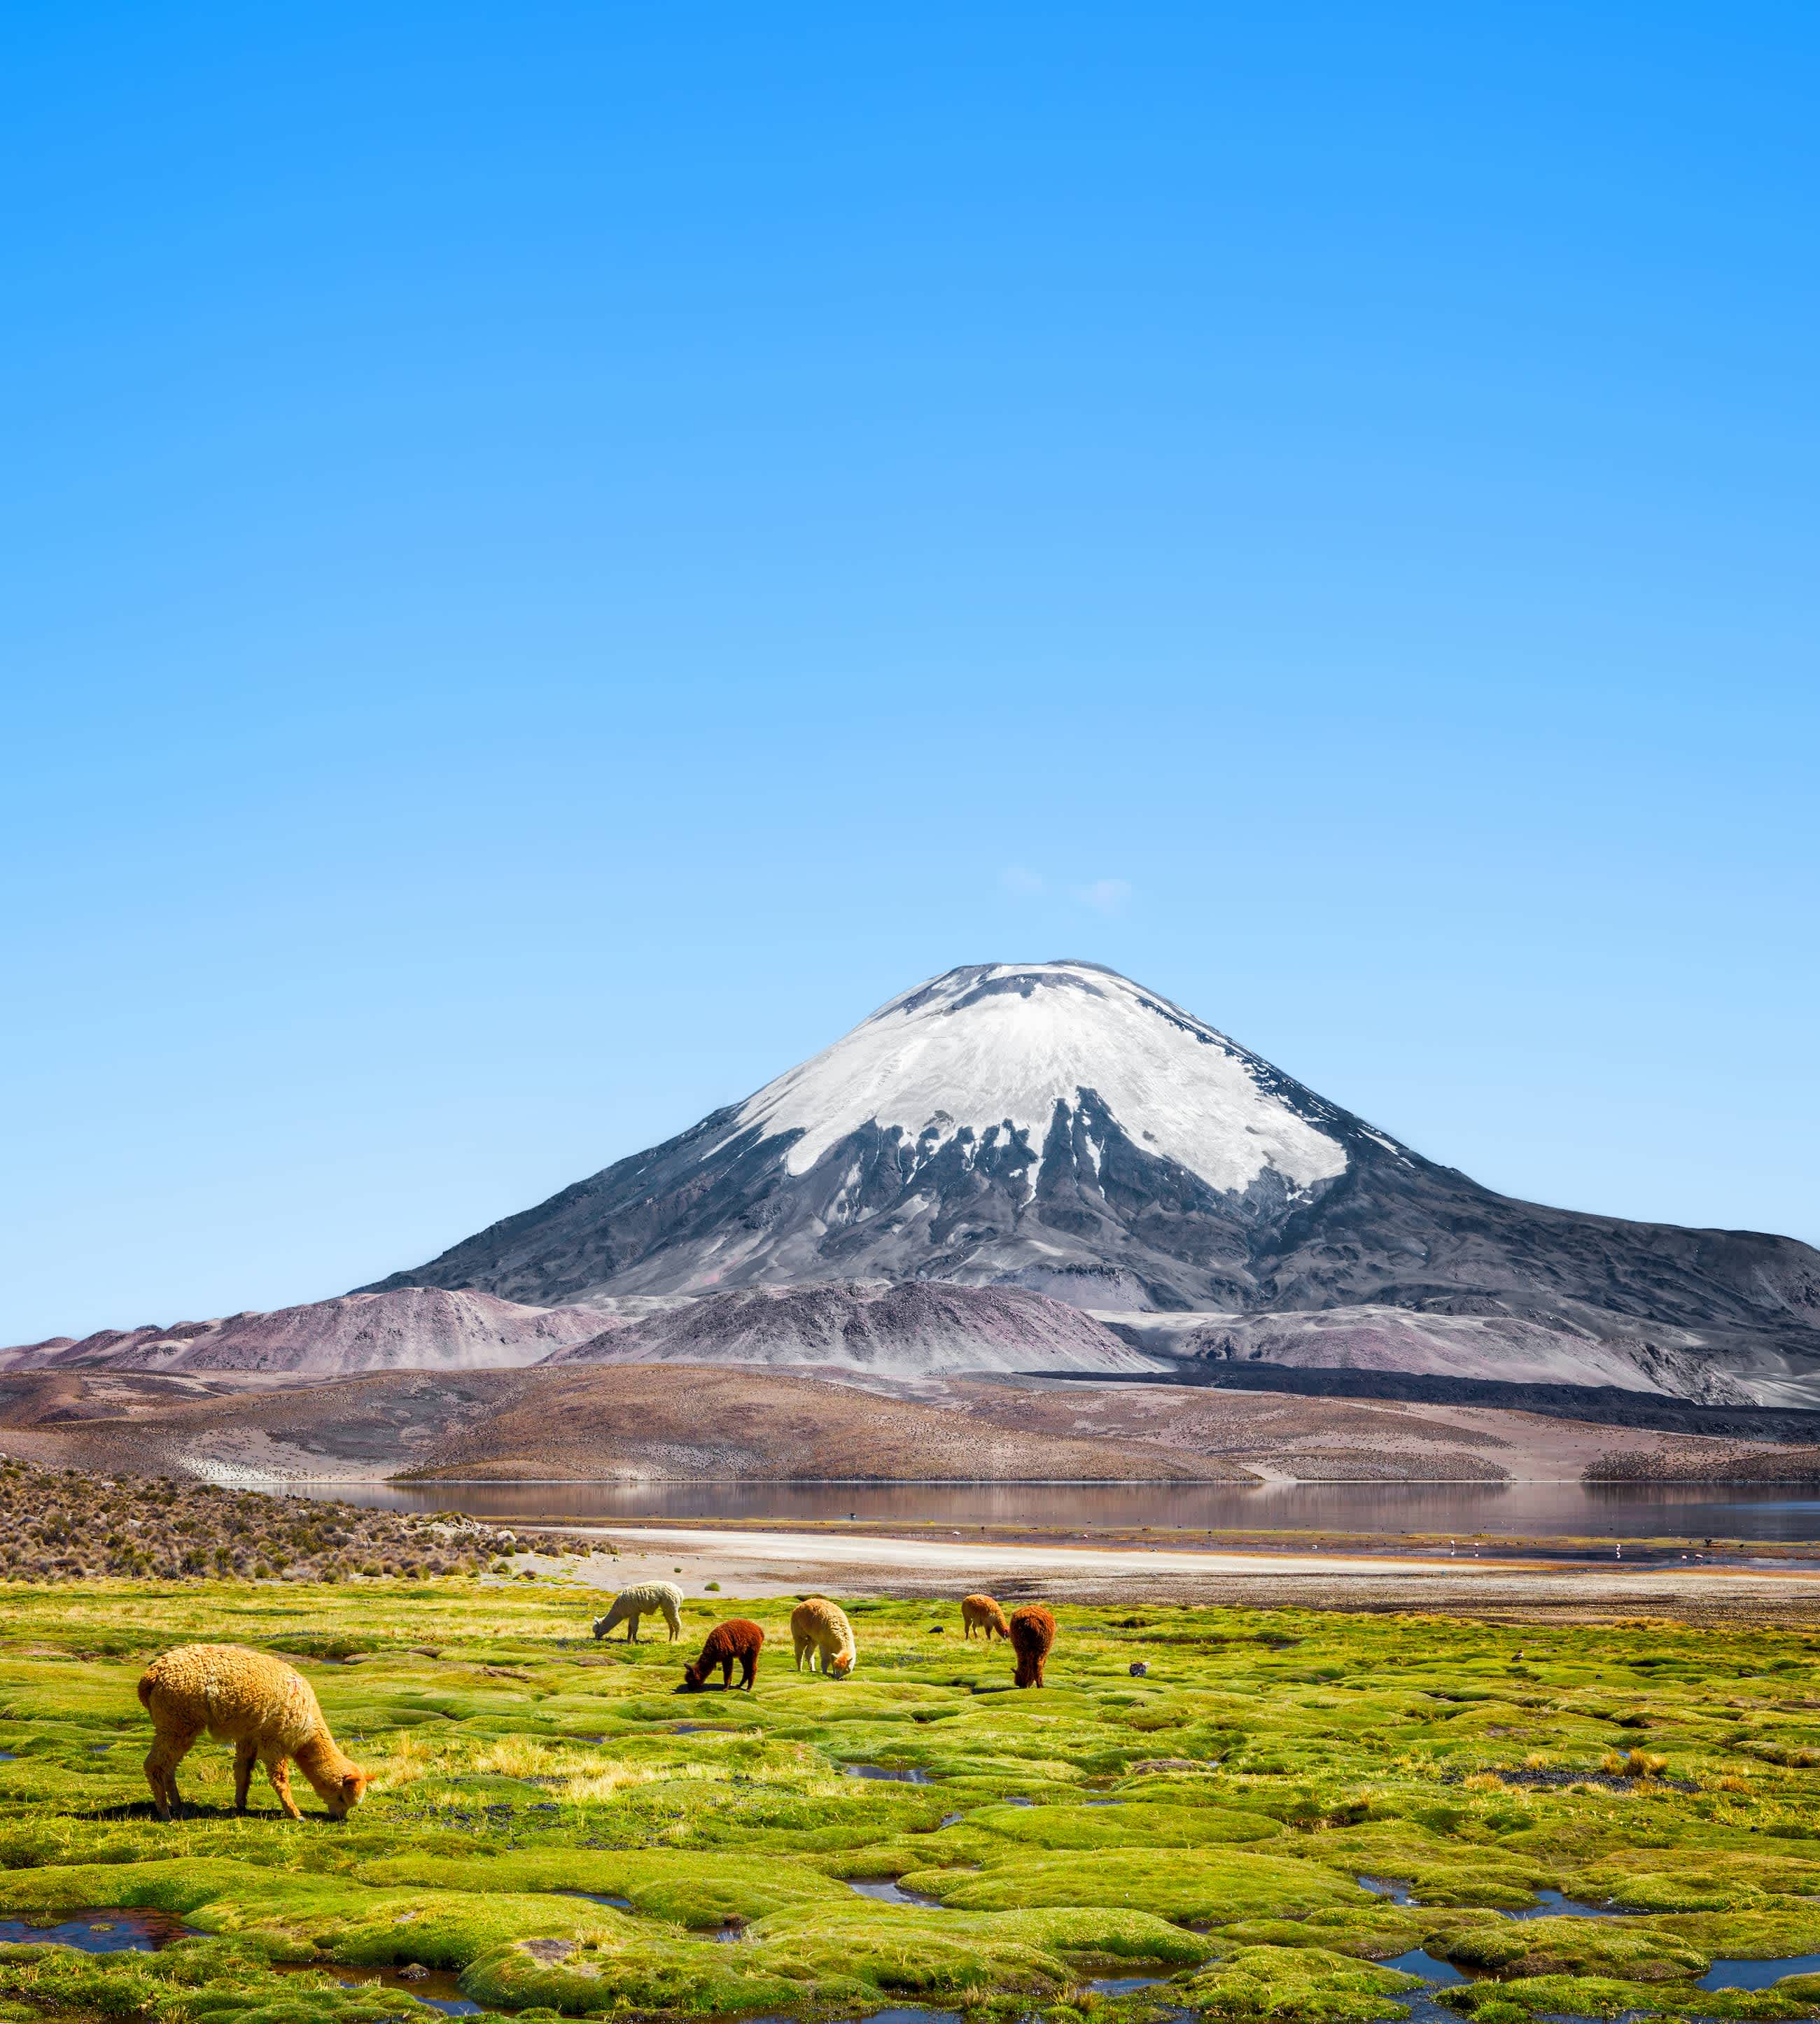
(1055, 1127)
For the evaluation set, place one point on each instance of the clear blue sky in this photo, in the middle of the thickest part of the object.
(555, 555)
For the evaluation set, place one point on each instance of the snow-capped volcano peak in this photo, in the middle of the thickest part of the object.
(990, 1052)
(1053, 1130)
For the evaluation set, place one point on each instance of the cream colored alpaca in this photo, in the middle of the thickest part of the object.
(662, 1599)
(981, 1613)
(266, 1709)
(820, 1627)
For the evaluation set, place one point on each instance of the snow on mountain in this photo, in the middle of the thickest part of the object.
(1000, 1048)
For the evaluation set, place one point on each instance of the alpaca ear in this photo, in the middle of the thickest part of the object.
(353, 1785)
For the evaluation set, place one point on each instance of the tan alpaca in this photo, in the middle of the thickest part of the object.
(264, 1708)
(820, 1627)
(981, 1613)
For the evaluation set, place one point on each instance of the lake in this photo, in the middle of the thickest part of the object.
(1520, 1510)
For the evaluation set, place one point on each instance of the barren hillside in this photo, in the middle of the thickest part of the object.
(646, 1422)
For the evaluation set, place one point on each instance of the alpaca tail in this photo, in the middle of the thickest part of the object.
(145, 1691)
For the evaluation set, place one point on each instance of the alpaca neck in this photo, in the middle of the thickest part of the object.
(322, 1763)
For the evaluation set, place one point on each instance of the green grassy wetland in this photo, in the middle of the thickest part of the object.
(552, 1830)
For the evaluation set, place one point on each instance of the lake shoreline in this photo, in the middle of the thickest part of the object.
(755, 1563)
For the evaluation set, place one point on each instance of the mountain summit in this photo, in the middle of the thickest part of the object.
(1054, 1127)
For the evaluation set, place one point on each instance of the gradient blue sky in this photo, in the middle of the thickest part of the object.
(556, 556)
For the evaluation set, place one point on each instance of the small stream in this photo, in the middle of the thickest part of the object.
(99, 1932)
(885, 1891)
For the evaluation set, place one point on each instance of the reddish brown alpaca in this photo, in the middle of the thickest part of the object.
(1033, 1633)
(738, 1638)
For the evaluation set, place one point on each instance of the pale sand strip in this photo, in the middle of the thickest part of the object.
(761, 1564)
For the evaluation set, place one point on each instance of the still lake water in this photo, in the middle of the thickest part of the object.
(1520, 1510)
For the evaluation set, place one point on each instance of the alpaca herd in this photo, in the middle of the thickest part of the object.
(268, 1711)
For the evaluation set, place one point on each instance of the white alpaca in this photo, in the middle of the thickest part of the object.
(661, 1599)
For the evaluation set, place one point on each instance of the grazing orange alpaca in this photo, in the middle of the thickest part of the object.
(738, 1638)
(266, 1709)
(981, 1613)
(1033, 1633)
(820, 1628)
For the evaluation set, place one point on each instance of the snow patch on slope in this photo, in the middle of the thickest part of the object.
(1000, 1045)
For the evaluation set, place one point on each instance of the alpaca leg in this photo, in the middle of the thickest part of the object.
(632, 1628)
(246, 1756)
(155, 1778)
(278, 1770)
(726, 1672)
(169, 1748)
(750, 1664)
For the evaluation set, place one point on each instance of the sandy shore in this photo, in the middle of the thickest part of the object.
(758, 1564)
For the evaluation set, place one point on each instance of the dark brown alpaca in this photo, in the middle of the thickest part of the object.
(1033, 1633)
(738, 1638)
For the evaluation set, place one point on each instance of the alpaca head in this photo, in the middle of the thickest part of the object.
(348, 1795)
(841, 1664)
(337, 1780)
(693, 1673)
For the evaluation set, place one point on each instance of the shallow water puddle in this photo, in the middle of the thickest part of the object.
(1553, 1903)
(1385, 1886)
(1124, 1985)
(600, 1897)
(99, 1932)
(887, 1892)
(1549, 1904)
(889, 1774)
(914, 2017)
(1443, 1974)
(436, 1986)
(1756, 1974)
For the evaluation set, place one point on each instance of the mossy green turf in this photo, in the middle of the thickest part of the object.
(1206, 1825)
